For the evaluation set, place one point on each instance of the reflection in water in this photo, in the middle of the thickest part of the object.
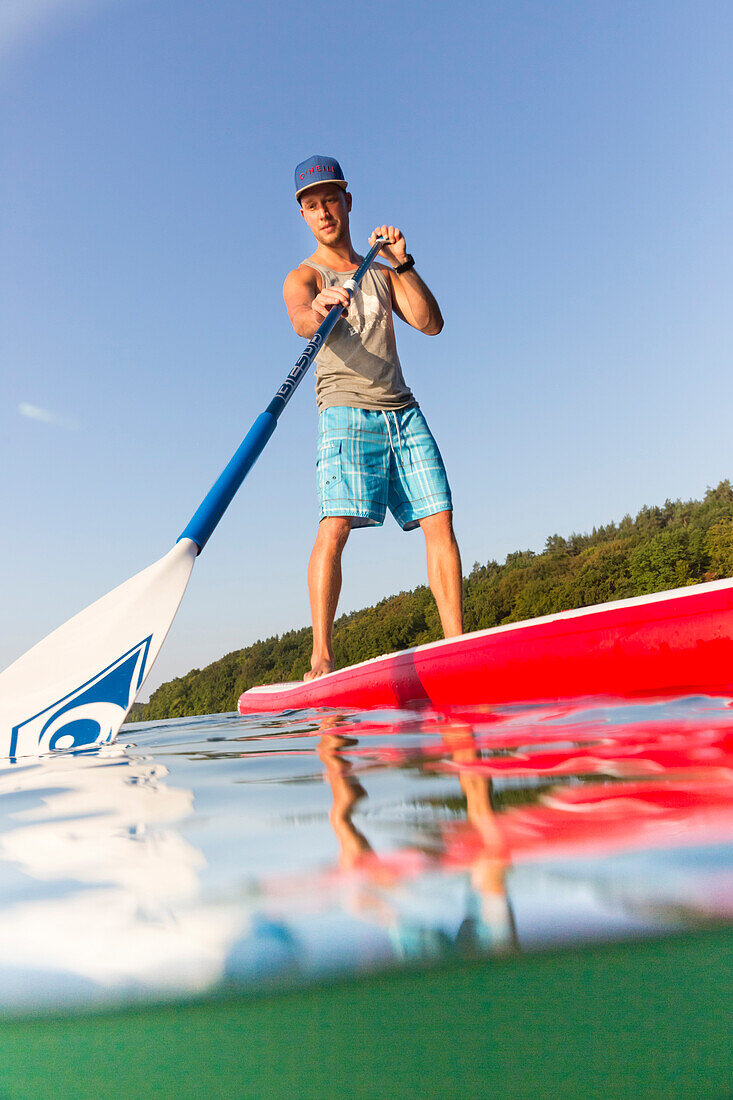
(120, 905)
(391, 894)
(237, 849)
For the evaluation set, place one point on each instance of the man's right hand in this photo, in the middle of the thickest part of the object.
(331, 296)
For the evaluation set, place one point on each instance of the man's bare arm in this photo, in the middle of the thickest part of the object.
(412, 298)
(413, 301)
(306, 304)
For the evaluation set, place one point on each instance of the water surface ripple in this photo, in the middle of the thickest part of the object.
(200, 852)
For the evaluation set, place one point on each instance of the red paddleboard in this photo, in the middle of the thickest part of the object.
(680, 641)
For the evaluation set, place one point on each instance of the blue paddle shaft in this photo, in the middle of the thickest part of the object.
(222, 492)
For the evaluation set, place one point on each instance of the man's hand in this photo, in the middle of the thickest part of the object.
(331, 296)
(396, 249)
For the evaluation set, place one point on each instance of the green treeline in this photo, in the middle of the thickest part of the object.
(663, 547)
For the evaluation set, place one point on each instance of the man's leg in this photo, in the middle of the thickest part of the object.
(324, 586)
(444, 570)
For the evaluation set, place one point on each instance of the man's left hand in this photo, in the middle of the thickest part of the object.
(396, 249)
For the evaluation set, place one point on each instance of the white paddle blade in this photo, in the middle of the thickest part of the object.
(74, 688)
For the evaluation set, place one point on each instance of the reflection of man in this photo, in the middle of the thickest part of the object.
(488, 869)
(346, 791)
(405, 901)
(375, 449)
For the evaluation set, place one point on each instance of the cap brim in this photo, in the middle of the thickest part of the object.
(317, 183)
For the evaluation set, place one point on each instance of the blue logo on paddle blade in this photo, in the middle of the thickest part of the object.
(89, 715)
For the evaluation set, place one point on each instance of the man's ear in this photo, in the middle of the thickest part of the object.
(348, 201)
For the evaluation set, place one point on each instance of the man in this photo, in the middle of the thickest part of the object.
(375, 449)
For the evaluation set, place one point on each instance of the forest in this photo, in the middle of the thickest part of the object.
(662, 547)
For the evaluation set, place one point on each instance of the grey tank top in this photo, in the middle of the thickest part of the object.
(358, 365)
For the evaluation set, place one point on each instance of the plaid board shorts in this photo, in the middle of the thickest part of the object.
(370, 461)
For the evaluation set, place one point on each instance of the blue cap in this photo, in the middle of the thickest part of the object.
(317, 170)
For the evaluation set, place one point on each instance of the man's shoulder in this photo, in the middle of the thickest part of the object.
(303, 274)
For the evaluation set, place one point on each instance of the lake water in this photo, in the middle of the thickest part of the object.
(201, 852)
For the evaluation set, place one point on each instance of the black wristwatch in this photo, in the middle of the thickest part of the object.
(409, 262)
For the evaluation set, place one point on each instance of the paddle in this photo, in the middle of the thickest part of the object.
(74, 688)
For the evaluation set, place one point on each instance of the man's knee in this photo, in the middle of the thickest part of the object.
(439, 526)
(333, 531)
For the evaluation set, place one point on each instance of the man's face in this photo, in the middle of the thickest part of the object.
(326, 210)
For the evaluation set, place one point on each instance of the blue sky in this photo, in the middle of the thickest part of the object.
(562, 173)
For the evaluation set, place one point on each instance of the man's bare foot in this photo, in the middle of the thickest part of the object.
(320, 666)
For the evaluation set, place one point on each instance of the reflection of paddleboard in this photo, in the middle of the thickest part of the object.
(676, 641)
(603, 819)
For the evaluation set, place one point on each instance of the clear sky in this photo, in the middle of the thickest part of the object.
(562, 173)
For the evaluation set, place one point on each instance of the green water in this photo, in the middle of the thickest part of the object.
(522, 902)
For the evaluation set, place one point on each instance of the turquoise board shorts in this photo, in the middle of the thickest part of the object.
(370, 461)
